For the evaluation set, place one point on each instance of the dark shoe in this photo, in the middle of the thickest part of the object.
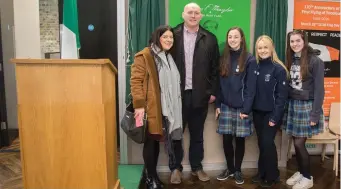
(201, 175)
(266, 184)
(152, 182)
(225, 175)
(238, 177)
(257, 178)
(159, 183)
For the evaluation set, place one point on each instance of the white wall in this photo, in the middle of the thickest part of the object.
(27, 30)
(20, 39)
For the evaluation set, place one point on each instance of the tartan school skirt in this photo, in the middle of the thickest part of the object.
(296, 121)
(230, 122)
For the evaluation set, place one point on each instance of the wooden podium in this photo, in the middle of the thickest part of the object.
(67, 123)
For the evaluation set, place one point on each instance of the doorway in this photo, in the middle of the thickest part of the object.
(4, 135)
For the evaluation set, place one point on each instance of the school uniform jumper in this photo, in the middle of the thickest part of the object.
(269, 103)
(235, 95)
(306, 99)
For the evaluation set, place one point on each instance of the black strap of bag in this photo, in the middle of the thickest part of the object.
(145, 107)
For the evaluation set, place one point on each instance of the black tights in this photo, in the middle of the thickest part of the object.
(234, 163)
(302, 156)
(151, 150)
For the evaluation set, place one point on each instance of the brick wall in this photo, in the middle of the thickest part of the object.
(49, 26)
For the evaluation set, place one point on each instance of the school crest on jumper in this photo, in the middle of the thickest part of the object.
(267, 77)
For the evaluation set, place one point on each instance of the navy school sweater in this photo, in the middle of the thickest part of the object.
(238, 89)
(272, 89)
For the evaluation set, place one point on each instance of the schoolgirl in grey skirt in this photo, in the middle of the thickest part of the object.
(306, 94)
(238, 75)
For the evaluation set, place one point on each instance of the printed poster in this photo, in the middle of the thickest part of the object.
(321, 19)
(218, 16)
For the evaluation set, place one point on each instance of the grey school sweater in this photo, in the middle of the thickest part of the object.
(312, 87)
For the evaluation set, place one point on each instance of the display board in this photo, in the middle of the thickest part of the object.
(218, 16)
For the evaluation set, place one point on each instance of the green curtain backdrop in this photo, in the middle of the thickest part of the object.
(144, 17)
(271, 20)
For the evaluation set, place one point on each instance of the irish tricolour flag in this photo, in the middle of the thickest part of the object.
(70, 44)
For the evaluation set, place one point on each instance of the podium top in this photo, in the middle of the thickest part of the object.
(65, 61)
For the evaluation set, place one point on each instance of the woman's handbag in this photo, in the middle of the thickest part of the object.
(128, 123)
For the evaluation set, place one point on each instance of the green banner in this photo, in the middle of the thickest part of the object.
(218, 16)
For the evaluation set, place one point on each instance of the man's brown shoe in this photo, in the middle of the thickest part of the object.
(201, 175)
(175, 177)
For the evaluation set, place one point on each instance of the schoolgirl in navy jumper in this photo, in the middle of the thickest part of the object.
(236, 91)
(306, 94)
(268, 108)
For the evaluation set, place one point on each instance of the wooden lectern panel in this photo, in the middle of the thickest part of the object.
(67, 126)
(109, 91)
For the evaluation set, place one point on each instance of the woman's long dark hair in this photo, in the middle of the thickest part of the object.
(304, 60)
(159, 31)
(225, 61)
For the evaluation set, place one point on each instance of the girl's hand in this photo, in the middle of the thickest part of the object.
(217, 112)
(139, 112)
(242, 116)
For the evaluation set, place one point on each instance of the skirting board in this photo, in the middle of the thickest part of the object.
(316, 149)
(218, 166)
